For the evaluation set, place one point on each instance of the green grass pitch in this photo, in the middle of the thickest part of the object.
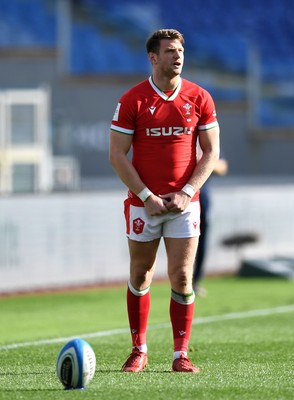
(242, 340)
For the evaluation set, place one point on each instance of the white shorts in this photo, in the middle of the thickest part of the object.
(144, 228)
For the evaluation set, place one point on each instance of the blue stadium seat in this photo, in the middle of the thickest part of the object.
(217, 32)
(27, 23)
(109, 37)
(277, 112)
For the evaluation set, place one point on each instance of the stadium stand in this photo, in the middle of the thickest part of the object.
(27, 23)
(218, 32)
(219, 35)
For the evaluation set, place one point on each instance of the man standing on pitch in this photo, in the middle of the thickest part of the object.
(161, 118)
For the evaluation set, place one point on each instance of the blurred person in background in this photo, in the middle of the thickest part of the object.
(161, 119)
(220, 169)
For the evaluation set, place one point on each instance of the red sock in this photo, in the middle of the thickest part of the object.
(138, 312)
(181, 316)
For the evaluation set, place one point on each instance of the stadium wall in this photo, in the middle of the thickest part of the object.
(78, 239)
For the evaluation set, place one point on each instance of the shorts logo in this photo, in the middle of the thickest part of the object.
(138, 226)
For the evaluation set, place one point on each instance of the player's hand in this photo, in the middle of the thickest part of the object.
(176, 202)
(154, 205)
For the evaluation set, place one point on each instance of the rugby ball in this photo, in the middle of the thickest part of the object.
(76, 364)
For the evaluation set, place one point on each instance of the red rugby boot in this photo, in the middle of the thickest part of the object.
(136, 362)
(183, 364)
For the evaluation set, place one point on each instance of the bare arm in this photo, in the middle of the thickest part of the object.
(119, 148)
(210, 146)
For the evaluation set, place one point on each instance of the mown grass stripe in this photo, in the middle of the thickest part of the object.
(196, 321)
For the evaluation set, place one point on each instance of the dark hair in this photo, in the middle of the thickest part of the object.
(153, 43)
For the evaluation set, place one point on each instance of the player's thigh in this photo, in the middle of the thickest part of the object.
(181, 254)
(140, 226)
(185, 224)
(142, 260)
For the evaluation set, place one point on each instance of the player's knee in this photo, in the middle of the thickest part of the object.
(141, 275)
(180, 280)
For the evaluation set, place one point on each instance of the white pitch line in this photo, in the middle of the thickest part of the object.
(196, 321)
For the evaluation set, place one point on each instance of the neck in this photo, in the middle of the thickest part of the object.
(166, 84)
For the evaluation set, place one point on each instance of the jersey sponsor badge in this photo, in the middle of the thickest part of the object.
(187, 107)
(152, 109)
(116, 113)
(187, 110)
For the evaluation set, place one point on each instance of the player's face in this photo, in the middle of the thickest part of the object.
(170, 59)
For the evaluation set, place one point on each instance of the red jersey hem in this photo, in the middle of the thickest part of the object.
(135, 201)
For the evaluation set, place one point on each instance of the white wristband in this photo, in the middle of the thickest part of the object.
(144, 194)
(189, 190)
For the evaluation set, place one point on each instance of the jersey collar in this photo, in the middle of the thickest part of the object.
(162, 94)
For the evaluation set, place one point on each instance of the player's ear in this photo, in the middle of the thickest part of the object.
(152, 57)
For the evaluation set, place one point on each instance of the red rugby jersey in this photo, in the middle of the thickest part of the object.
(165, 129)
